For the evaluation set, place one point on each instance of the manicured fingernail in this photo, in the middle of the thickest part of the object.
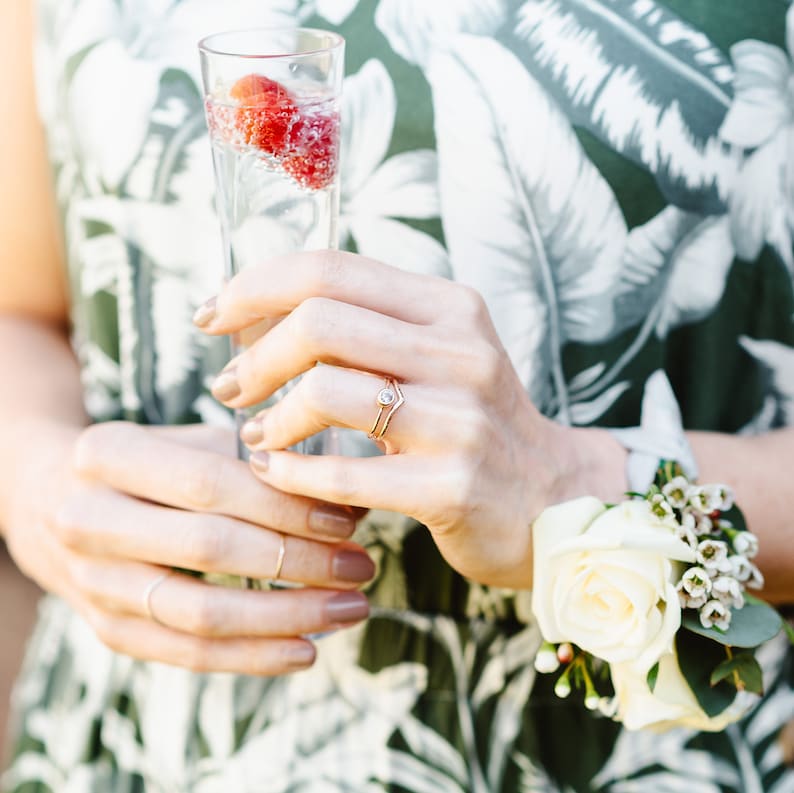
(352, 567)
(206, 313)
(226, 387)
(252, 432)
(260, 461)
(300, 655)
(331, 522)
(346, 608)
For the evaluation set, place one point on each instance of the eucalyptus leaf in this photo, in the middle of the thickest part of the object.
(653, 674)
(697, 656)
(741, 670)
(753, 624)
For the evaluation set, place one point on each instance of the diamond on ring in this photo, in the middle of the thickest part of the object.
(386, 397)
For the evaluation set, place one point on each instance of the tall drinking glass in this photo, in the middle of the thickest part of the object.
(272, 103)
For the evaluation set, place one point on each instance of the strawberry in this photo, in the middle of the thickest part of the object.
(313, 155)
(268, 118)
(265, 114)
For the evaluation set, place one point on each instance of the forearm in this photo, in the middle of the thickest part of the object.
(759, 469)
(41, 408)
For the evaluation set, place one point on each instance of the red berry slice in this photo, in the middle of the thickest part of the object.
(314, 154)
(304, 140)
(265, 114)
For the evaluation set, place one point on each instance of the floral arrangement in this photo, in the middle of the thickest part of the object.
(644, 608)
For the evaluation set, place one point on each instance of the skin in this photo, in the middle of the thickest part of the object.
(97, 514)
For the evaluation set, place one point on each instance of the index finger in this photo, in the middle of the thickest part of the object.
(280, 284)
(144, 464)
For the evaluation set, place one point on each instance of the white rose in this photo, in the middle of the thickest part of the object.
(604, 579)
(670, 704)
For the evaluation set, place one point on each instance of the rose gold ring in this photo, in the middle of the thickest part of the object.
(389, 400)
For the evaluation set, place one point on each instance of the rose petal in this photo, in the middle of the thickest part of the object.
(555, 525)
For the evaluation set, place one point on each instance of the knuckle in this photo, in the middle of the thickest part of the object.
(487, 367)
(314, 321)
(196, 655)
(201, 484)
(317, 389)
(474, 430)
(205, 541)
(332, 272)
(106, 629)
(463, 481)
(89, 445)
(206, 617)
(82, 575)
(341, 484)
(68, 523)
(471, 304)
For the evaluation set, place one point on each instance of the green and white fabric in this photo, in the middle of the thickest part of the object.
(615, 177)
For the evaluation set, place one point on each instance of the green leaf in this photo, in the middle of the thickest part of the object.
(789, 629)
(753, 624)
(736, 517)
(742, 671)
(653, 674)
(697, 656)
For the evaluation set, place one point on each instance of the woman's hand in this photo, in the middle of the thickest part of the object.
(130, 503)
(467, 454)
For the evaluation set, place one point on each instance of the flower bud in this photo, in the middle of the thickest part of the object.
(562, 687)
(546, 660)
(565, 653)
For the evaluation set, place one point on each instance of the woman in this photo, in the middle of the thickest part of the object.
(577, 261)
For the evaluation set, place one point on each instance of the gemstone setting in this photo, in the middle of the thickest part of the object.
(386, 397)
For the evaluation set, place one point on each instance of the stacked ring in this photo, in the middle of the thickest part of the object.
(389, 400)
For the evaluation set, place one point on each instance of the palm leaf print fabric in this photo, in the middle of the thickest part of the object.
(614, 176)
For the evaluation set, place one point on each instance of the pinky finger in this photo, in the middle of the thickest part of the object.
(147, 641)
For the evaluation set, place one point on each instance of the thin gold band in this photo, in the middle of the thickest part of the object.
(147, 597)
(282, 553)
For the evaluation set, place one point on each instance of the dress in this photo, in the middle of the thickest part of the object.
(614, 179)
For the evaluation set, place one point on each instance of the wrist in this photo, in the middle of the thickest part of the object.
(33, 456)
(588, 462)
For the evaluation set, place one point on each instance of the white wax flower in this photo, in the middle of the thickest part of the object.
(741, 569)
(713, 555)
(728, 591)
(715, 614)
(696, 582)
(605, 579)
(676, 491)
(746, 544)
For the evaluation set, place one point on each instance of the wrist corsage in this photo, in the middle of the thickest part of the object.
(643, 606)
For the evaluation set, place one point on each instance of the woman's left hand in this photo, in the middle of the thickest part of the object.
(467, 454)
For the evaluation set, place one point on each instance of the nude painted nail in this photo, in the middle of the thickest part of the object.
(252, 432)
(300, 655)
(206, 313)
(260, 461)
(346, 608)
(331, 523)
(352, 567)
(225, 388)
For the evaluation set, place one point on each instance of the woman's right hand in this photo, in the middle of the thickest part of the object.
(98, 524)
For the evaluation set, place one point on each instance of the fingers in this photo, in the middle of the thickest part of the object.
(102, 522)
(191, 606)
(151, 466)
(279, 285)
(148, 641)
(399, 483)
(331, 332)
(329, 396)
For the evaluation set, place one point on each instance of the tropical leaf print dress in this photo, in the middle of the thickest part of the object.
(614, 176)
